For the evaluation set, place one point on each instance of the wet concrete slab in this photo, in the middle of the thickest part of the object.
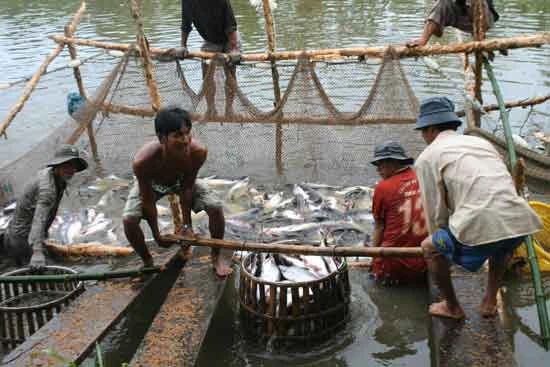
(179, 328)
(72, 334)
(475, 341)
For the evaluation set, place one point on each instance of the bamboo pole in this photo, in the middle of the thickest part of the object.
(69, 32)
(343, 251)
(29, 88)
(544, 322)
(87, 249)
(62, 278)
(276, 88)
(535, 40)
(145, 55)
(512, 104)
(479, 35)
(154, 93)
(114, 108)
(469, 83)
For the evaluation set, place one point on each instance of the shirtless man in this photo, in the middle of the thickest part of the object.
(170, 166)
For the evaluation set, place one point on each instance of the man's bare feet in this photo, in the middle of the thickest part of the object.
(488, 308)
(221, 268)
(442, 309)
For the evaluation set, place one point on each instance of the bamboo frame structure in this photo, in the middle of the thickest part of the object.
(535, 40)
(31, 85)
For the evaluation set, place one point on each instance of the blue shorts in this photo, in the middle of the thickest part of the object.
(472, 257)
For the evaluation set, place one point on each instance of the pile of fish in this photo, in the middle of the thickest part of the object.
(305, 213)
(290, 268)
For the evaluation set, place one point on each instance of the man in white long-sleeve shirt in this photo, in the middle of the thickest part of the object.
(472, 209)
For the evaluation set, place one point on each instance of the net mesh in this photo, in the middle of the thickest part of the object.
(318, 132)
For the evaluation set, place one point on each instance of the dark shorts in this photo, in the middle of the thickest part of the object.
(472, 257)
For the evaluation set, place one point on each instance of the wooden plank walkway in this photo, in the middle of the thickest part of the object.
(476, 341)
(73, 333)
(177, 332)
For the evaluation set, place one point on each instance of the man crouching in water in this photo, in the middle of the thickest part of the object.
(170, 166)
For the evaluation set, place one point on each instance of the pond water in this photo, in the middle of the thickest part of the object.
(388, 326)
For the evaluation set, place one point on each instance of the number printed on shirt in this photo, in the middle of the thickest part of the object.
(413, 205)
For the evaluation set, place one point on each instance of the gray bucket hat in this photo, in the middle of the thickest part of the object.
(436, 111)
(390, 150)
(66, 153)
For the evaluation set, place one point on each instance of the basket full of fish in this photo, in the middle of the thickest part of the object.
(293, 297)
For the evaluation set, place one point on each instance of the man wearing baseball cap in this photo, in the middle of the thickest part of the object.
(398, 215)
(37, 207)
(472, 208)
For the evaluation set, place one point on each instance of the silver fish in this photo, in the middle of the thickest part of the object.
(270, 270)
(238, 190)
(110, 182)
(297, 274)
(9, 209)
(273, 202)
(4, 222)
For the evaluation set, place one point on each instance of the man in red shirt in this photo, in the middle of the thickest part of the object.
(398, 215)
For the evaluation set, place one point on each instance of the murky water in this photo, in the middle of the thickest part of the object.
(388, 326)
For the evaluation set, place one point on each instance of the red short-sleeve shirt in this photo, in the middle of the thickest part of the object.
(398, 206)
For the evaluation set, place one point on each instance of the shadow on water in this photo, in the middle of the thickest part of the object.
(388, 326)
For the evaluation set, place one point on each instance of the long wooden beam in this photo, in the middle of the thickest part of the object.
(144, 112)
(535, 40)
(343, 251)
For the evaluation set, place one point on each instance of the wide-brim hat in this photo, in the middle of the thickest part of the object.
(66, 153)
(391, 150)
(436, 111)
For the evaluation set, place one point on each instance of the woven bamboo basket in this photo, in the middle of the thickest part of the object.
(25, 308)
(293, 312)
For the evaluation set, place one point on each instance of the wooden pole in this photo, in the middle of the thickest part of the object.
(479, 35)
(142, 112)
(87, 249)
(154, 93)
(469, 84)
(29, 88)
(512, 104)
(343, 251)
(62, 278)
(145, 55)
(535, 40)
(276, 88)
(69, 31)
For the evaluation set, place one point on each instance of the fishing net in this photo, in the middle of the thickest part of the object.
(317, 132)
